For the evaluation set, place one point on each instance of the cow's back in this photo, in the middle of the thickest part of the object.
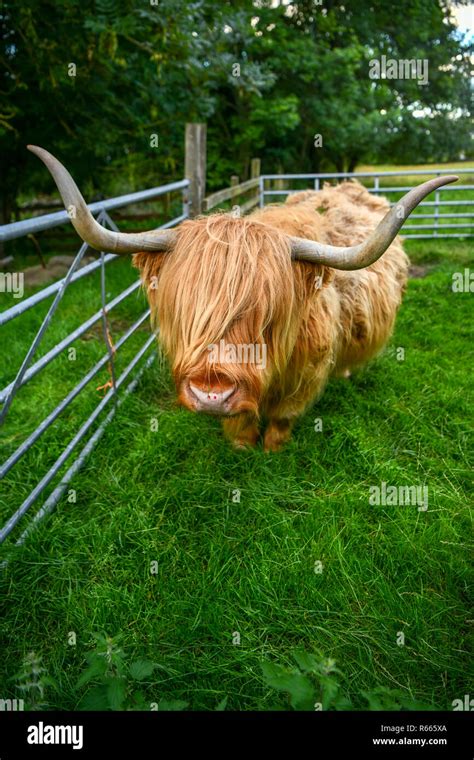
(367, 299)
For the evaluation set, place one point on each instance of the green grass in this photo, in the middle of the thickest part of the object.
(416, 167)
(248, 567)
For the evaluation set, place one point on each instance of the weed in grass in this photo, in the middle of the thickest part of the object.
(33, 681)
(315, 684)
(113, 680)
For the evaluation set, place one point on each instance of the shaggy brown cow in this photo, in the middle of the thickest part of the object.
(254, 315)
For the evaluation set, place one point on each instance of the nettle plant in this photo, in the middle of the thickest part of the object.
(114, 681)
(314, 684)
(32, 682)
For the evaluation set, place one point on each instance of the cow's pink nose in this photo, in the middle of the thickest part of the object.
(212, 399)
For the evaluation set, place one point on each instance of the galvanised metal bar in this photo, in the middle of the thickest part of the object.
(110, 222)
(438, 226)
(173, 222)
(382, 190)
(29, 303)
(52, 416)
(32, 350)
(430, 237)
(339, 175)
(59, 347)
(447, 203)
(105, 324)
(48, 221)
(436, 213)
(430, 216)
(46, 479)
(410, 187)
(41, 295)
(58, 492)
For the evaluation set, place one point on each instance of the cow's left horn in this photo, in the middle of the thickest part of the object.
(88, 229)
(359, 256)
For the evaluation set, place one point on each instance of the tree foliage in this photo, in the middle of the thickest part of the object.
(95, 80)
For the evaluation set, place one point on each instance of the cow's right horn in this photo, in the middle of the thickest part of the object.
(359, 256)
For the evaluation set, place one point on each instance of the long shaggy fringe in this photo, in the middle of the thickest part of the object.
(227, 278)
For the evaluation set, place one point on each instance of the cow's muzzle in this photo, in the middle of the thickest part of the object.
(208, 398)
(212, 400)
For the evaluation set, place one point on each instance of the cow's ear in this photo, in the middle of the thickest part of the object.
(149, 265)
(311, 278)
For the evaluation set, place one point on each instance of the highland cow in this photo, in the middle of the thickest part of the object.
(313, 285)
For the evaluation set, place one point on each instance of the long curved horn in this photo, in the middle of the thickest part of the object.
(88, 229)
(359, 256)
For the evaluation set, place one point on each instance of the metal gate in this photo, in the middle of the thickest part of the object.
(88, 433)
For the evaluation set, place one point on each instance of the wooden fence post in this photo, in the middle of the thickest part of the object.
(195, 165)
(255, 171)
(279, 183)
(234, 181)
(254, 168)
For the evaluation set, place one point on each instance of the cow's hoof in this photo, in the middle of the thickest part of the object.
(243, 444)
(276, 435)
(270, 446)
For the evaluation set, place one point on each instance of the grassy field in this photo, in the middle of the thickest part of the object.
(454, 165)
(210, 564)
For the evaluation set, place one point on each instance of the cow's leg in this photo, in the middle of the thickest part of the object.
(344, 372)
(242, 430)
(278, 432)
(305, 383)
(282, 414)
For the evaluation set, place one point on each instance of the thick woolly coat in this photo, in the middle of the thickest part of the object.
(234, 279)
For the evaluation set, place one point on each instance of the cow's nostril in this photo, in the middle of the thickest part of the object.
(211, 399)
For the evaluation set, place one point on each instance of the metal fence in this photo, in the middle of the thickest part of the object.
(434, 227)
(89, 433)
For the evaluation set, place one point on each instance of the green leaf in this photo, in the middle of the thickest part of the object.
(330, 689)
(96, 669)
(95, 699)
(139, 702)
(384, 698)
(140, 669)
(116, 691)
(222, 705)
(342, 703)
(298, 686)
(49, 681)
(308, 663)
(173, 705)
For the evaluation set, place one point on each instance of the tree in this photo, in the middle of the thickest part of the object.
(109, 85)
